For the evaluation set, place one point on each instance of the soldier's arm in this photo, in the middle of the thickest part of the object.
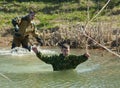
(75, 60)
(36, 34)
(82, 58)
(16, 21)
(45, 58)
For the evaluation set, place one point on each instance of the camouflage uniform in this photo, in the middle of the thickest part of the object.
(60, 62)
(26, 27)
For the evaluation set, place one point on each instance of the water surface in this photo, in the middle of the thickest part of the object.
(102, 70)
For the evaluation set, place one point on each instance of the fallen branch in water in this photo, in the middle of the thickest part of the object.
(5, 77)
(102, 45)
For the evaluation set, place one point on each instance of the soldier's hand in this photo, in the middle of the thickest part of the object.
(16, 28)
(39, 40)
(87, 55)
(34, 48)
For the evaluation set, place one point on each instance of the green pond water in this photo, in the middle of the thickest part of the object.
(102, 70)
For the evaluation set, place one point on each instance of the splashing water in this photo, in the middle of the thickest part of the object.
(84, 68)
(18, 51)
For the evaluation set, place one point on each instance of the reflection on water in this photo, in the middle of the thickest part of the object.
(100, 71)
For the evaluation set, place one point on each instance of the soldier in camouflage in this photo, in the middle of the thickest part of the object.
(23, 26)
(64, 61)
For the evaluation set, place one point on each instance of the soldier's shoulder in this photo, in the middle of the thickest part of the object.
(24, 17)
(17, 17)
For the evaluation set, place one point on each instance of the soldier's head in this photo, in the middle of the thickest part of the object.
(65, 49)
(31, 15)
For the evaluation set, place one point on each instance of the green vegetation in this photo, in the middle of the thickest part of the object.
(51, 13)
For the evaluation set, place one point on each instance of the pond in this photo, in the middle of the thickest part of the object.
(102, 70)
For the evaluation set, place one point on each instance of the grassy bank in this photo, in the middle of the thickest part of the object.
(70, 15)
(48, 14)
(54, 13)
